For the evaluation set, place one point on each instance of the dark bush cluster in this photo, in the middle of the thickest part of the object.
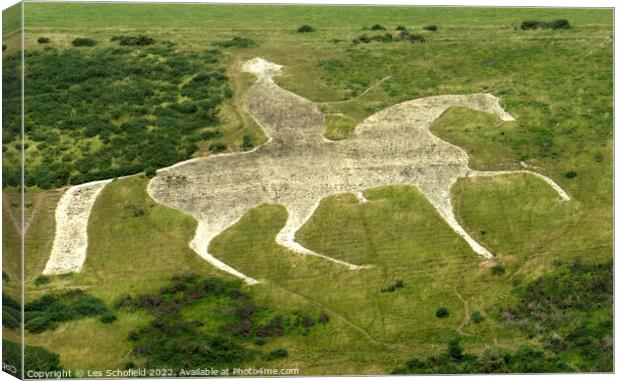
(217, 147)
(246, 143)
(140, 40)
(176, 341)
(571, 311)
(50, 309)
(80, 41)
(555, 24)
(43, 40)
(393, 287)
(571, 174)
(442, 312)
(432, 28)
(236, 42)
(111, 112)
(41, 280)
(377, 27)
(305, 29)
(498, 270)
(277, 353)
(456, 361)
(403, 35)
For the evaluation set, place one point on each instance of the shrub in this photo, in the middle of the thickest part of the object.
(454, 349)
(276, 354)
(476, 317)
(3, 47)
(401, 27)
(41, 280)
(107, 318)
(247, 143)
(442, 312)
(555, 24)
(305, 29)
(140, 40)
(413, 38)
(150, 172)
(83, 42)
(236, 42)
(498, 270)
(571, 174)
(432, 28)
(377, 27)
(323, 318)
(43, 40)
(393, 287)
(217, 147)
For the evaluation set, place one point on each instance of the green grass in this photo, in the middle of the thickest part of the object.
(557, 84)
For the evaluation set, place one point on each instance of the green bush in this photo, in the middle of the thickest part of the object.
(217, 147)
(432, 28)
(83, 42)
(45, 312)
(571, 174)
(247, 144)
(140, 40)
(107, 318)
(498, 270)
(41, 280)
(305, 29)
(277, 353)
(377, 27)
(401, 27)
(43, 40)
(442, 312)
(476, 317)
(555, 24)
(393, 287)
(237, 42)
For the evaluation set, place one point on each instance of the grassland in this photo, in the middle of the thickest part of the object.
(556, 83)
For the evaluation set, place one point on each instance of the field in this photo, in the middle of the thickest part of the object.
(557, 83)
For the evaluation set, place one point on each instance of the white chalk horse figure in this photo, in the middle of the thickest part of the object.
(298, 167)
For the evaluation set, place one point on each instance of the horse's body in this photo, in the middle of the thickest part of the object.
(298, 167)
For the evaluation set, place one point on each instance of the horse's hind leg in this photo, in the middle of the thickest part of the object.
(440, 199)
(297, 217)
(561, 192)
(205, 232)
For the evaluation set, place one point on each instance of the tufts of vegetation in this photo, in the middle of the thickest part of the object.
(47, 311)
(107, 318)
(247, 144)
(555, 24)
(432, 28)
(277, 353)
(413, 38)
(476, 317)
(140, 40)
(393, 287)
(236, 42)
(305, 29)
(442, 312)
(206, 322)
(571, 174)
(41, 280)
(78, 42)
(401, 27)
(377, 27)
(217, 147)
(498, 270)
(43, 40)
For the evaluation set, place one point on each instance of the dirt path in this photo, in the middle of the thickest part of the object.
(379, 82)
(465, 320)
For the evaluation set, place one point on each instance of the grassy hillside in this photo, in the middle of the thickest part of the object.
(557, 84)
